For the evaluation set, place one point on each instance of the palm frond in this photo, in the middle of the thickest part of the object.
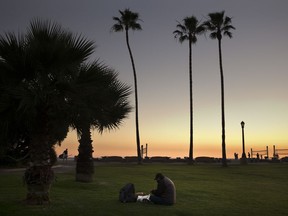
(213, 35)
(227, 33)
(135, 26)
(181, 28)
(98, 93)
(83, 47)
(117, 28)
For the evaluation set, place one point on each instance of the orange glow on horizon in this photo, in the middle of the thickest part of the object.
(103, 147)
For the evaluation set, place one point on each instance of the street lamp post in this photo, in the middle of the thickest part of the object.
(243, 159)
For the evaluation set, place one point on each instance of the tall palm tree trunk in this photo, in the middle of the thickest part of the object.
(136, 100)
(191, 103)
(85, 165)
(39, 175)
(224, 161)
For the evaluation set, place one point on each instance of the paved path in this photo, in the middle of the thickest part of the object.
(60, 167)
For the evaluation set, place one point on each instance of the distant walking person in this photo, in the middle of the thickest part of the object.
(165, 194)
(65, 154)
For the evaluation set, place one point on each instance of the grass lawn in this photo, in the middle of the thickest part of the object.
(255, 189)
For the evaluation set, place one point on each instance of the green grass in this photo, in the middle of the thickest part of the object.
(255, 189)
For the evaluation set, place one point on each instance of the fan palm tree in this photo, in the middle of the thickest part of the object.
(38, 67)
(129, 20)
(189, 30)
(220, 25)
(100, 103)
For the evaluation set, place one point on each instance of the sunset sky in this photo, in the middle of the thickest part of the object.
(255, 65)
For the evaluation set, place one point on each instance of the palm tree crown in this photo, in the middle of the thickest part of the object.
(100, 99)
(219, 24)
(128, 20)
(189, 30)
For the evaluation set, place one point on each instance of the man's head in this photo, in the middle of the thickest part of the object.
(159, 176)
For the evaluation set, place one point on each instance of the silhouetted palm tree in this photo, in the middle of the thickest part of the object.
(100, 102)
(38, 68)
(189, 31)
(129, 20)
(218, 24)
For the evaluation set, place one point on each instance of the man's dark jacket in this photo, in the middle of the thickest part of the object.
(165, 189)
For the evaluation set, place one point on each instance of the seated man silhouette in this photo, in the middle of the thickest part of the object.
(164, 194)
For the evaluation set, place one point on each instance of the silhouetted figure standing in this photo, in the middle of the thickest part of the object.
(65, 154)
